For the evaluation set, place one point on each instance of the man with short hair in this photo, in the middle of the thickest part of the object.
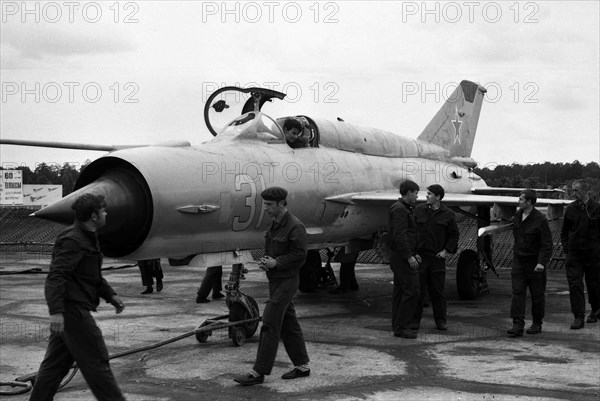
(293, 131)
(580, 238)
(438, 238)
(285, 252)
(404, 261)
(531, 254)
(73, 288)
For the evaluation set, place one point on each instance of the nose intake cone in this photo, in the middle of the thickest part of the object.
(129, 210)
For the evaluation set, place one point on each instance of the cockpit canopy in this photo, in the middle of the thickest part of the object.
(233, 113)
(255, 126)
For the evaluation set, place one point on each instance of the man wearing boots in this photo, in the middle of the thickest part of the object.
(149, 270)
(211, 281)
(438, 237)
(285, 252)
(404, 261)
(532, 252)
(580, 238)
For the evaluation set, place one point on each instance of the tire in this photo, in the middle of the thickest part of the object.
(253, 326)
(202, 337)
(238, 336)
(467, 275)
(237, 312)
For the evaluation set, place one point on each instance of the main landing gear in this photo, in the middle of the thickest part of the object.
(472, 266)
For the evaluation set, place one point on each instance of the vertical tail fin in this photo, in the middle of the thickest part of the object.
(454, 126)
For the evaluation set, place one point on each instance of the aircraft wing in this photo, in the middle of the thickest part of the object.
(513, 191)
(86, 146)
(381, 198)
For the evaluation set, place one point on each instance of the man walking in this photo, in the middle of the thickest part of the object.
(73, 288)
(532, 252)
(580, 238)
(438, 238)
(404, 261)
(285, 252)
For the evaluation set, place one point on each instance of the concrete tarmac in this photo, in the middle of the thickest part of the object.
(354, 355)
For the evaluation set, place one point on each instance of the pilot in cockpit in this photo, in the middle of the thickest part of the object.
(294, 132)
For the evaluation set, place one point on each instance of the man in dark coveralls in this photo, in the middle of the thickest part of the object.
(438, 238)
(532, 252)
(580, 238)
(73, 288)
(285, 252)
(404, 261)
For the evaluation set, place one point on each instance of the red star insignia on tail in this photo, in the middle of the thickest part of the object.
(457, 124)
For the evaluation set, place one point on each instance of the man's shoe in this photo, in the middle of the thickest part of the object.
(296, 373)
(517, 329)
(217, 295)
(159, 285)
(405, 334)
(201, 300)
(593, 317)
(148, 290)
(249, 380)
(441, 326)
(535, 328)
(577, 323)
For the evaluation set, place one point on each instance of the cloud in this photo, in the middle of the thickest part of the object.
(24, 46)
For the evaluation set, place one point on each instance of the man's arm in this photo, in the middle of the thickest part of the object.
(564, 232)
(453, 235)
(400, 223)
(66, 258)
(546, 244)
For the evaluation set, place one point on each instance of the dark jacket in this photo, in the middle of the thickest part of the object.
(533, 239)
(581, 226)
(402, 230)
(437, 229)
(75, 271)
(287, 243)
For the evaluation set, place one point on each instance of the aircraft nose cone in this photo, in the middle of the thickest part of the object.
(61, 211)
(129, 210)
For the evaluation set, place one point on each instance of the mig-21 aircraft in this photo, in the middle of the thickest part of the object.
(202, 203)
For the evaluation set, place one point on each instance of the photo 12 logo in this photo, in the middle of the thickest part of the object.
(470, 11)
(253, 12)
(53, 12)
(318, 92)
(517, 92)
(69, 92)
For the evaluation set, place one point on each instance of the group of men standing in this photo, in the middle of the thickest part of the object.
(421, 237)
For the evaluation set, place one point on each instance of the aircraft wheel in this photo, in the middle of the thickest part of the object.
(238, 335)
(467, 274)
(237, 312)
(202, 337)
(252, 326)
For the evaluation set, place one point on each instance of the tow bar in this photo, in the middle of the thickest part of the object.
(243, 322)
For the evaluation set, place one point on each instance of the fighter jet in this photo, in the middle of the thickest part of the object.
(202, 203)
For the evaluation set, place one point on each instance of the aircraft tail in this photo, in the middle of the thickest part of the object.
(454, 126)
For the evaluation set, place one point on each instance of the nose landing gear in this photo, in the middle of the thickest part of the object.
(243, 314)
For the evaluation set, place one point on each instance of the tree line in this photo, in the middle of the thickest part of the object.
(540, 175)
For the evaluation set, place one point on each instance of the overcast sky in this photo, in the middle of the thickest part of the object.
(140, 72)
